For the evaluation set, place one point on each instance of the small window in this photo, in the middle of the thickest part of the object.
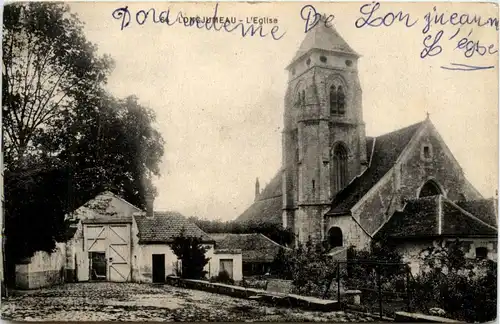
(427, 152)
(481, 253)
(348, 62)
(322, 58)
(293, 71)
(308, 62)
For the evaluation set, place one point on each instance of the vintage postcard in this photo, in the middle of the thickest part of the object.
(239, 161)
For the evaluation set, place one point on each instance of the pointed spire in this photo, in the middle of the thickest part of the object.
(323, 37)
(428, 115)
(257, 188)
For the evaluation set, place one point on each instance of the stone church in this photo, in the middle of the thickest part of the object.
(340, 186)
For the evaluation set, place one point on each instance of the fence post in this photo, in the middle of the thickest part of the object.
(338, 282)
(379, 284)
(408, 290)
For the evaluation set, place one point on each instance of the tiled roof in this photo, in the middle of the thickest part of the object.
(163, 227)
(484, 209)
(254, 247)
(325, 38)
(267, 207)
(387, 150)
(434, 216)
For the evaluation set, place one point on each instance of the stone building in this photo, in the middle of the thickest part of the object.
(340, 186)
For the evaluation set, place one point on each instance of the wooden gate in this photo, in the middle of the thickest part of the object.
(114, 241)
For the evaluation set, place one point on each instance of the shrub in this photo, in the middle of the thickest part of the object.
(465, 289)
(191, 253)
(223, 277)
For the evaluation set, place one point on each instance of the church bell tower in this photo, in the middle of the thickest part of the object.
(324, 143)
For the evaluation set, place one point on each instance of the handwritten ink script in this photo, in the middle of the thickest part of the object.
(252, 26)
(463, 38)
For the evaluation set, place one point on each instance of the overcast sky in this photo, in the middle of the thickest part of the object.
(218, 96)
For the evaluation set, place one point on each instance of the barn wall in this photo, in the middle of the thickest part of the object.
(44, 269)
(237, 264)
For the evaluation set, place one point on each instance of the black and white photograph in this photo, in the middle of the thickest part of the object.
(249, 161)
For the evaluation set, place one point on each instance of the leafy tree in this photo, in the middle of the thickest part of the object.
(62, 130)
(46, 63)
(191, 253)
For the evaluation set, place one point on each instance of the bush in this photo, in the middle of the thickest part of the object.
(223, 277)
(465, 289)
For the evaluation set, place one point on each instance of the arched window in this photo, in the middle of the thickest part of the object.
(430, 188)
(333, 100)
(335, 237)
(303, 98)
(341, 100)
(337, 100)
(339, 176)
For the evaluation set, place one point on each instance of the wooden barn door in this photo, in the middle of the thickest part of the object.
(119, 253)
(112, 240)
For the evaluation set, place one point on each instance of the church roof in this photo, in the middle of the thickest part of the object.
(434, 216)
(324, 38)
(267, 207)
(388, 148)
(163, 227)
(381, 157)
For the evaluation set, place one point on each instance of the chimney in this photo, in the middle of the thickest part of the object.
(257, 188)
(150, 198)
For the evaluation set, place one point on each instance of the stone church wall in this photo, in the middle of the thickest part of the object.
(441, 168)
(352, 234)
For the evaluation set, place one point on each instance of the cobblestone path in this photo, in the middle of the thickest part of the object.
(144, 302)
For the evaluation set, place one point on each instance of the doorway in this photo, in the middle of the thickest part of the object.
(97, 265)
(227, 265)
(158, 268)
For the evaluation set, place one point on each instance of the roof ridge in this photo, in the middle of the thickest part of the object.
(275, 243)
(108, 192)
(467, 213)
(401, 129)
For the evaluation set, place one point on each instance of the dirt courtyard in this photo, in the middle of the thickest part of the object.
(146, 302)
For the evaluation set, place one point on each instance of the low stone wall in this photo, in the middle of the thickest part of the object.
(42, 269)
(310, 303)
(421, 318)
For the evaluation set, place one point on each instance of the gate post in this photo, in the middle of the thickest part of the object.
(338, 282)
(408, 289)
(379, 284)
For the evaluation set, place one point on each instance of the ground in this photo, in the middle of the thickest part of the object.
(146, 302)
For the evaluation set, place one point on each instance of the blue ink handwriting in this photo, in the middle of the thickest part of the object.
(214, 22)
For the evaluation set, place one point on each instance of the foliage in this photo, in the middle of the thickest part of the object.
(223, 277)
(281, 265)
(47, 62)
(274, 231)
(307, 266)
(62, 130)
(191, 253)
(466, 289)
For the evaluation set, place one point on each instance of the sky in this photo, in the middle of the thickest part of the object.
(218, 96)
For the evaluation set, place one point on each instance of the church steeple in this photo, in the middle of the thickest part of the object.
(324, 144)
(323, 38)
